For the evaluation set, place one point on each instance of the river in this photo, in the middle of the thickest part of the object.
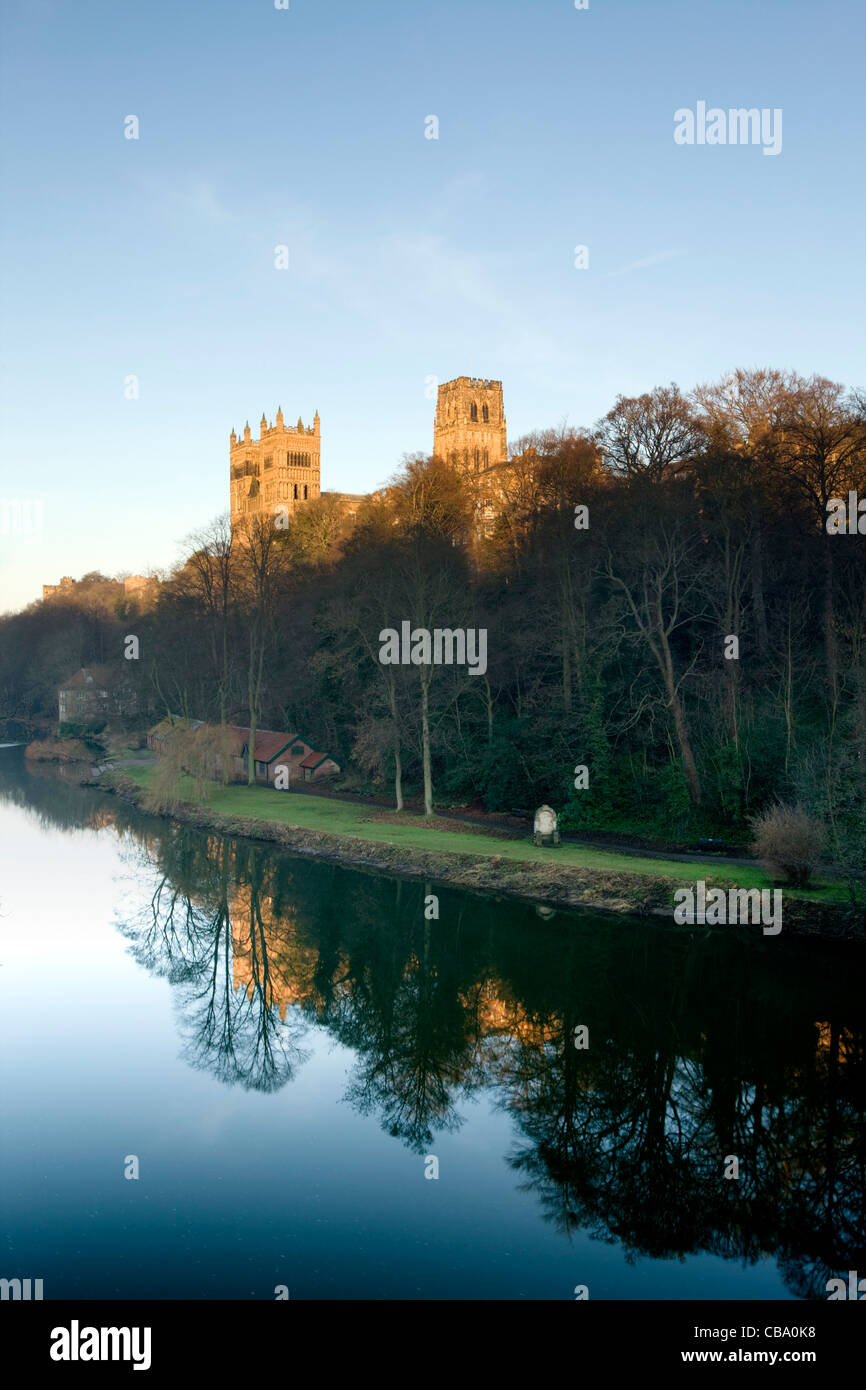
(326, 1092)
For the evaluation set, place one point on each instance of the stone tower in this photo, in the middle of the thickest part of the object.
(470, 424)
(282, 468)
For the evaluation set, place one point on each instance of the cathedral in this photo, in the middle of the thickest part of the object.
(282, 468)
(469, 432)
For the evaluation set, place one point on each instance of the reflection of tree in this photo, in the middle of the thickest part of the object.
(409, 1067)
(702, 1044)
(236, 1033)
(58, 802)
(399, 1009)
(628, 1139)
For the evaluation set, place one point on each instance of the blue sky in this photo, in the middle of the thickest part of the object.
(409, 258)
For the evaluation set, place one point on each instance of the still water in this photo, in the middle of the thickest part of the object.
(285, 1046)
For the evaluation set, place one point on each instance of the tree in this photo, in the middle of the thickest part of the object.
(208, 575)
(258, 580)
(654, 575)
(317, 529)
(189, 763)
(654, 435)
(741, 418)
(823, 454)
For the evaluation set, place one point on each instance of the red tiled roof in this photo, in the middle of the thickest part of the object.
(269, 742)
(89, 676)
(313, 759)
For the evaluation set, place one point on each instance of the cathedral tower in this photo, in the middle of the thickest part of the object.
(282, 468)
(470, 424)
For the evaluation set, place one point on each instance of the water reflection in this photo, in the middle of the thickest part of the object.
(702, 1044)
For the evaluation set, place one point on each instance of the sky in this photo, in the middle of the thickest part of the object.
(411, 260)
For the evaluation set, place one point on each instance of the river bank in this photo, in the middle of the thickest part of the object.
(568, 877)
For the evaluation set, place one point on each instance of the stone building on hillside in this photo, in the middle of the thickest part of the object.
(142, 588)
(470, 434)
(95, 694)
(66, 585)
(469, 431)
(281, 468)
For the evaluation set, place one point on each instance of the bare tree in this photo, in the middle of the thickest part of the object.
(654, 435)
(208, 575)
(257, 580)
(823, 454)
(655, 583)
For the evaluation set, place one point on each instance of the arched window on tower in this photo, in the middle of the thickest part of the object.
(473, 411)
(305, 492)
(475, 459)
(485, 414)
(296, 492)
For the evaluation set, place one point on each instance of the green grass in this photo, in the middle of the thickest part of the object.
(345, 818)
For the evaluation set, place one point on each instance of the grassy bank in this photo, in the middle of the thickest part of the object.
(570, 875)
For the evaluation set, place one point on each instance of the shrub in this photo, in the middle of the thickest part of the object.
(189, 763)
(85, 733)
(57, 750)
(786, 838)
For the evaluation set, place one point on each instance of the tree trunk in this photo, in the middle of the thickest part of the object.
(829, 624)
(756, 550)
(425, 745)
(398, 778)
(225, 678)
(398, 761)
(252, 700)
(690, 766)
(789, 699)
(566, 671)
(566, 624)
(732, 627)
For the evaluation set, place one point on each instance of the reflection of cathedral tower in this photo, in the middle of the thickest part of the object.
(470, 424)
(268, 958)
